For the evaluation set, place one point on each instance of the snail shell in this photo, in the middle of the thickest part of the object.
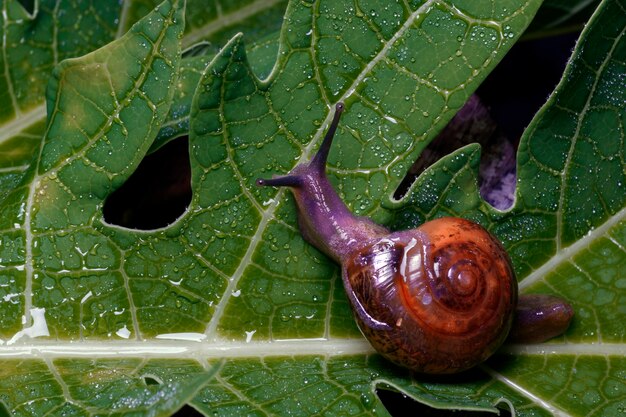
(437, 299)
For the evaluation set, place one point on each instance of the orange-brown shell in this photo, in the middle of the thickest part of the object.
(436, 299)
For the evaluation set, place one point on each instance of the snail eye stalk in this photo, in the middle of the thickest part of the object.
(319, 160)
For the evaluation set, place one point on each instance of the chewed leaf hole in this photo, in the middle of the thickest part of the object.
(157, 193)
(188, 411)
(152, 380)
(400, 405)
(29, 5)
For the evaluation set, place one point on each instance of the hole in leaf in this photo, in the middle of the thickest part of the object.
(511, 95)
(152, 380)
(188, 411)
(157, 193)
(401, 405)
(29, 5)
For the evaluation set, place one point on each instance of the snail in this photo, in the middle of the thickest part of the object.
(437, 299)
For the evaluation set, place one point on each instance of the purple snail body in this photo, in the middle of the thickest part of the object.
(437, 299)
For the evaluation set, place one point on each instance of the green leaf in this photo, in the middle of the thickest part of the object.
(228, 309)
(32, 44)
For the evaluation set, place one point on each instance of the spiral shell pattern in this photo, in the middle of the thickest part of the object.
(436, 299)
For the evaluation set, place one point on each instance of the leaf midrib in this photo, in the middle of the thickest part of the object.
(205, 350)
(583, 348)
(176, 349)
